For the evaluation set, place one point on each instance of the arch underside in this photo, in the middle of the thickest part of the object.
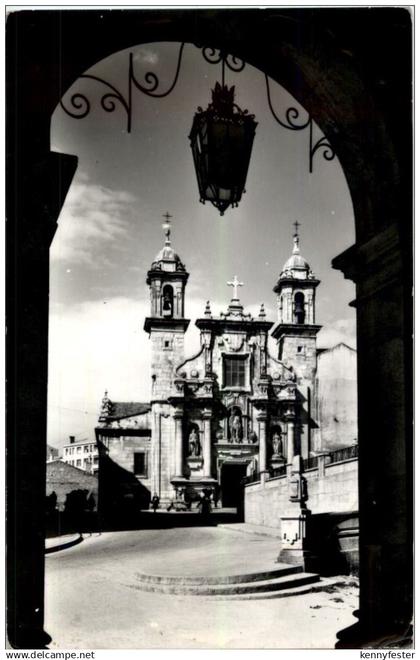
(360, 96)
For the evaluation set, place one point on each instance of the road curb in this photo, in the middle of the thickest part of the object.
(61, 543)
(247, 528)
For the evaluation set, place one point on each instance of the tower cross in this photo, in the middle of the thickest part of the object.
(167, 226)
(296, 226)
(235, 283)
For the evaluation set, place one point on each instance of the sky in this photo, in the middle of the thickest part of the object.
(109, 230)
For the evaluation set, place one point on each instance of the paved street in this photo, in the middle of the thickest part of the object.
(93, 600)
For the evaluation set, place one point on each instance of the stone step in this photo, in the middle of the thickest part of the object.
(219, 579)
(324, 584)
(259, 586)
(248, 528)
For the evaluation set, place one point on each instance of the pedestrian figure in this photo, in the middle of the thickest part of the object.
(216, 495)
(204, 505)
(155, 502)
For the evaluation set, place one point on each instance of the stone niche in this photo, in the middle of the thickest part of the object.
(194, 449)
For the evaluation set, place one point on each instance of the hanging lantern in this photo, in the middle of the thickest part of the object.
(221, 142)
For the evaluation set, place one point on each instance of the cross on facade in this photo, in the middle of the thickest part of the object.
(235, 283)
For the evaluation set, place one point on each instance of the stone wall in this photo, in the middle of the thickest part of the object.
(336, 492)
(63, 479)
(167, 353)
(121, 451)
(299, 351)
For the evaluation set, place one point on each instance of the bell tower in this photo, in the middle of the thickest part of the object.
(166, 324)
(296, 329)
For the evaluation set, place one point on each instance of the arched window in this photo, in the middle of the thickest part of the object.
(299, 307)
(167, 301)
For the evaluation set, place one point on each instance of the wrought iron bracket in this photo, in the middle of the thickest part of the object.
(291, 122)
(80, 105)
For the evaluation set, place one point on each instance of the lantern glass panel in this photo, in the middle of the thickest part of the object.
(221, 141)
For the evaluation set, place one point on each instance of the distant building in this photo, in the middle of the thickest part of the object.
(52, 453)
(82, 454)
(336, 396)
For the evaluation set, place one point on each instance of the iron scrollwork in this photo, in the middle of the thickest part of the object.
(328, 152)
(80, 105)
(292, 116)
(215, 56)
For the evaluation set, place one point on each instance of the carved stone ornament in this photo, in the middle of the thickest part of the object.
(234, 342)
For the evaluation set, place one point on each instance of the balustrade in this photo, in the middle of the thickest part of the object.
(344, 454)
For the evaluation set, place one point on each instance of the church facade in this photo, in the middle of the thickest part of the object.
(233, 409)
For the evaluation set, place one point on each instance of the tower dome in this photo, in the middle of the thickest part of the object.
(167, 259)
(167, 256)
(296, 266)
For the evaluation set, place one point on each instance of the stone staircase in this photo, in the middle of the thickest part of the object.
(274, 583)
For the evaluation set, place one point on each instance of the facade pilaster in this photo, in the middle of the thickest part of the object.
(262, 434)
(179, 458)
(290, 419)
(207, 443)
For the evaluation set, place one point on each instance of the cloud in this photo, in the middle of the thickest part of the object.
(94, 346)
(146, 56)
(342, 330)
(92, 224)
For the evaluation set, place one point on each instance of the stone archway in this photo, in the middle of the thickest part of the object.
(360, 96)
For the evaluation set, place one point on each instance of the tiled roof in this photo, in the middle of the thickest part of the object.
(121, 409)
(63, 467)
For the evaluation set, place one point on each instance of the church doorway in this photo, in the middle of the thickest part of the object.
(230, 483)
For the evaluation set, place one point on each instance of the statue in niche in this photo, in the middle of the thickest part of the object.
(276, 443)
(194, 443)
(252, 436)
(235, 426)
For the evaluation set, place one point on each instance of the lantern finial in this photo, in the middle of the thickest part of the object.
(167, 227)
(296, 248)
